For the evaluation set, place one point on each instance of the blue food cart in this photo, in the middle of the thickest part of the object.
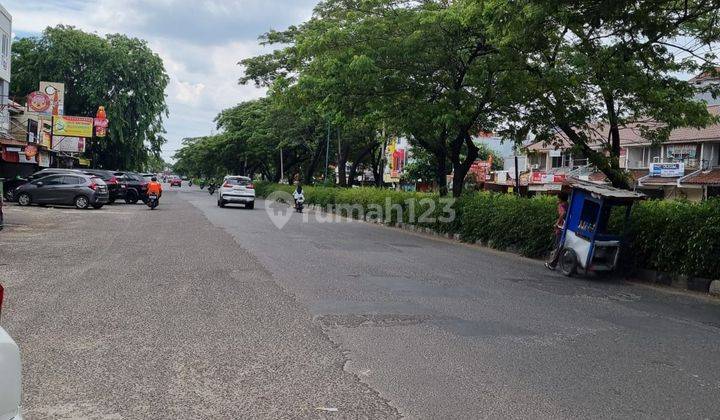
(587, 243)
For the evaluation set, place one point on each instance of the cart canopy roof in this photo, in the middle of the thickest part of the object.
(607, 191)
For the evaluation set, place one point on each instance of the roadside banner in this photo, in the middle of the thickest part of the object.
(68, 144)
(56, 92)
(72, 126)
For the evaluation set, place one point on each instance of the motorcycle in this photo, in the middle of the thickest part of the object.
(152, 201)
(299, 204)
(211, 189)
(190, 183)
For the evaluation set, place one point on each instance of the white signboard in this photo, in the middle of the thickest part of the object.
(68, 144)
(667, 170)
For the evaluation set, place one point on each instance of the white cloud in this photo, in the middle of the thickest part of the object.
(200, 42)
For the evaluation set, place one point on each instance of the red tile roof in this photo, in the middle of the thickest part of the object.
(706, 76)
(657, 180)
(709, 177)
(630, 135)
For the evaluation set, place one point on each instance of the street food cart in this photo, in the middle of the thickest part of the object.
(587, 242)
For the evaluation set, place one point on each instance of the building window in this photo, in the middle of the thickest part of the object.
(686, 153)
(556, 162)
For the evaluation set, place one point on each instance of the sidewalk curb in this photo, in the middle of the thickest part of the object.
(709, 287)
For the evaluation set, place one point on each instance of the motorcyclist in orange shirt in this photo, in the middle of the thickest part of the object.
(154, 187)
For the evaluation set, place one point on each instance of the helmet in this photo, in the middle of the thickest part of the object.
(154, 179)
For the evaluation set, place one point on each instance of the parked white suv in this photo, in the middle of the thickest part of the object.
(10, 374)
(237, 189)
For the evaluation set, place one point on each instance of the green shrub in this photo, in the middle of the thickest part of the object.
(671, 236)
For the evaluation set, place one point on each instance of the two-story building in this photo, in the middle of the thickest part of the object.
(687, 165)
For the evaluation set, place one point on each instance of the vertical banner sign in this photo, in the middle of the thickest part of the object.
(101, 122)
(56, 93)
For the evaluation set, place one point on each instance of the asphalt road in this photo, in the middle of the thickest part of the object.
(192, 311)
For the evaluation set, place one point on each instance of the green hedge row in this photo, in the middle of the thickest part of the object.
(670, 236)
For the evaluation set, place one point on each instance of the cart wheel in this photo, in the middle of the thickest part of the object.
(568, 262)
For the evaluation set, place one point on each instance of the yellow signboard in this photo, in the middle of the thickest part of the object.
(72, 126)
(46, 140)
(83, 162)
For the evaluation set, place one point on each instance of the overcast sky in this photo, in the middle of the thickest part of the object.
(200, 41)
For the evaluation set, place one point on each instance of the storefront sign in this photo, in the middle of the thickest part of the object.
(72, 126)
(38, 102)
(481, 170)
(68, 144)
(542, 177)
(43, 159)
(667, 170)
(56, 93)
(46, 140)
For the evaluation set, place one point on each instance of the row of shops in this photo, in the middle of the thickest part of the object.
(28, 146)
(686, 165)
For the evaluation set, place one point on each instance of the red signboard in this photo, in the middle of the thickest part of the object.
(481, 170)
(542, 177)
(38, 102)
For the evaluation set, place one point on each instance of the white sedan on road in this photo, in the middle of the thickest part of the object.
(10, 374)
(237, 189)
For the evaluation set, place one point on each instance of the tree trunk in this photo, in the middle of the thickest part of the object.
(342, 161)
(462, 167)
(610, 167)
(312, 166)
(441, 172)
(357, 161)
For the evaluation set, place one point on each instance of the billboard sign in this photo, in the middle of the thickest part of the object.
(667, 170)
(56, 94)
(68, 144)
(72, 126)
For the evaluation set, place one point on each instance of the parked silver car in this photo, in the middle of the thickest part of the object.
(76, 189)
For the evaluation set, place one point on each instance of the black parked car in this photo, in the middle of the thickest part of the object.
(78, 189)
(110, 179)
(133, 187)
(11, 185)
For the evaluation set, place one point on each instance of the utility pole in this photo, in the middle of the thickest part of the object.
(517, 171)
(327, 152)
(339, 156)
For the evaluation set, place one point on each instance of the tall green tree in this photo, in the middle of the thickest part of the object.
(585, 69)
(421, 69)
(116, 71)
